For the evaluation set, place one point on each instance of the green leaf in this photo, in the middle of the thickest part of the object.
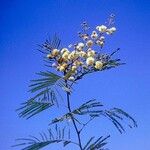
(48, 79)
(94, 109)
(87, 144)
(84, 109)
(34, 143)
(46, 99)
(96, 145)
(50, 44)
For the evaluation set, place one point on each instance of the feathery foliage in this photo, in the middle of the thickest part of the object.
(56, 136)
(97, 144)
(94, 109)
(45, 96)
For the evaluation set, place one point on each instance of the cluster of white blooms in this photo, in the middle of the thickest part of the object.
(82, 56)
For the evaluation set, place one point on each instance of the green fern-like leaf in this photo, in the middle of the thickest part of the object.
(44, 97)
(84, 109)
(94, 109)
(36, 143)
(97, 144)
(47, 79)
(33, 106)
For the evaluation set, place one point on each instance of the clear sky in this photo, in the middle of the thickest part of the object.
(24, 24)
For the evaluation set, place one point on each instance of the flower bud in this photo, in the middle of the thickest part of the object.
(49, 56)
(71, 78)
(102, 38)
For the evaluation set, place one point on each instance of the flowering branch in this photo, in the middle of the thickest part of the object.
(73, 63)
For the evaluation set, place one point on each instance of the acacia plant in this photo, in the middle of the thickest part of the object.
(72, 64)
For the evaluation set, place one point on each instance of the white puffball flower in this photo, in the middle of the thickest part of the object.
(74, 68)
(101, 28)
(89, 43)
(65, 55)
(111, 30)
(61, 68)
(82, 54)
(55, 52)
(91, 53)
(65, 65)
(90, 61)
(78, 63)
(71, 78)
(81, 44)
(79, 48)
(71, 56)
(98, 65)
(94, 35)
(64, 50)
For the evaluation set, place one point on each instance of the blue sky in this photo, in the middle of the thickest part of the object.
(24, 24)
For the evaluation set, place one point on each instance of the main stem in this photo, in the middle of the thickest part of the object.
(73, 120)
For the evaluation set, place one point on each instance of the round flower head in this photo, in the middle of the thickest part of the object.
(90, 61)
(79, 48)
(89, 43)
(113, 29)
(64, 50)
(98, 65)
(81, 44)
(83, 54)
(101, 28)
(71, 56)
(55, 52)
(61, 68)
(91, 53)
(74, 68)
(78, 63)
(65, 55)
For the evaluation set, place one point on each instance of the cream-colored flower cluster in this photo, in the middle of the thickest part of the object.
(82, 55)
